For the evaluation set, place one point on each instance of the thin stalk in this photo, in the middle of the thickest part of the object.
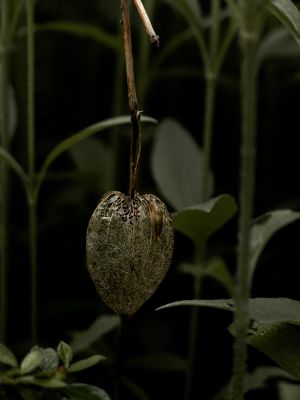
(248, 43)
(210, 95)
(32, 200)
(193, 335)
(132, 98)
(116, 110)
(30, 88)
(4, 83)
(34, 268)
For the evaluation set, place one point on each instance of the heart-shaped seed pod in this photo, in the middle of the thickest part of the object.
(129, 247)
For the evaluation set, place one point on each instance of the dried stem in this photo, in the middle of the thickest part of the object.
(154, 38)
(132, 98)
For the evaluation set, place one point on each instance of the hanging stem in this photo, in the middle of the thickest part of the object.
(132, 98)
(248, 43)
(154, 38)
(31, 201)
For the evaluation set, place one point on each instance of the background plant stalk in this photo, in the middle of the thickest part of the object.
(248, 44)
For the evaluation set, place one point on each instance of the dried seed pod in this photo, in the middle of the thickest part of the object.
(129, 249)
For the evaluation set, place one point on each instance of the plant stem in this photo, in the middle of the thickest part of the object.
(154, 38)
(5, 116)
(193, 335)
(32, 199)
(33, 266)
(143, 77)
(210, 94)
(119, 357)
(132, 98)
(30, 89)
(248, 43)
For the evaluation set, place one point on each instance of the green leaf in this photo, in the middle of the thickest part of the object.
(164, 362)
(14, 165)
(86, 363)
(177, 165)
(288, 391)
(280, 342)
(288, 15)
(65, 353)
(31, 361)
(7, 357)
(274, 327)
(199, 222)
(222, 304)
(82, 30)
(100, 327)
(12, 110)
(50, 360)
(217, 270)
(264, 228)
(93, 159)
(138, 392)
(40, 382)
(81, 135)
(259, 377)
(79, 391)
(277, 45)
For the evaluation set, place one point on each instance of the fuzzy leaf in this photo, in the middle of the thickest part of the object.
(278, 45)
(31, 361)
(274, 327)
(217, 269)
(81, 135)
(264, 228)
(7, 357)
(79, 391)
(199, 222)
(43, 383)
(86, 363)
(65, 353)
(100, 327)
(259, 377)
(50, 360)
(93, 159)
(177, 165)
(82, 30)
(288, 15)
(289, 391)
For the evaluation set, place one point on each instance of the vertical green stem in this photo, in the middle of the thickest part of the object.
(33, 267)
(4, 128)
(248, 43)
(210, 94)
(30, 89)
(193, 334)
(32, 201)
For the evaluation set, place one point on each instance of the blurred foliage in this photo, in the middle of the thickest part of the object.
(80, 84)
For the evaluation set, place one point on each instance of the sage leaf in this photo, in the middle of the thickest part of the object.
(177, 166)
(101, 326)
(288, 14)
(31, 361)
(79, 391)
(85, 363)
(7, 357)
(65, 353)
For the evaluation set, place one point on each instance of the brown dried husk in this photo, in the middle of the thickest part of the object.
(129, 249)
